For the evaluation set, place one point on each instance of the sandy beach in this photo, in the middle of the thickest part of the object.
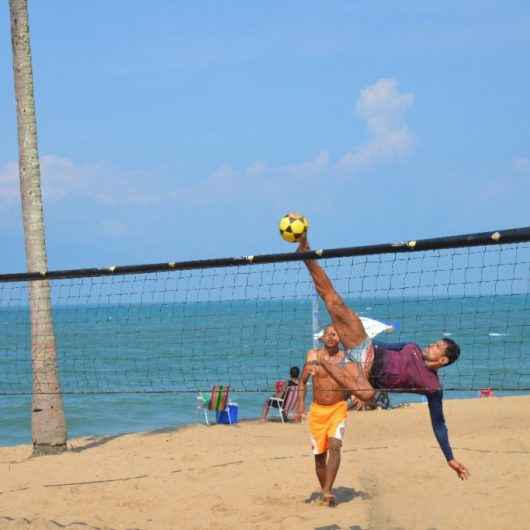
(254, 475)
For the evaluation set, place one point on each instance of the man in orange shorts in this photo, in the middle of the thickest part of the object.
(327, 415)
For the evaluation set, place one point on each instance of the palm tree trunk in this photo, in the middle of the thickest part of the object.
(47, 421)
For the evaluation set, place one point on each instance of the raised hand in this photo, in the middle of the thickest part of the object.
(303, 245)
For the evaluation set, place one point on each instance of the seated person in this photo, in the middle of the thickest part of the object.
(280, 391)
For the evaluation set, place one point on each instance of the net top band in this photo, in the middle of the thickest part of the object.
(498, 237)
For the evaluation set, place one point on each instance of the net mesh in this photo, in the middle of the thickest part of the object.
(186, 330)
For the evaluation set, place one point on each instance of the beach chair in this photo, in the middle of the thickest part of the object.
(290, 401)
(486, 392)
(216, 402)
(276, 400)
(286, 402)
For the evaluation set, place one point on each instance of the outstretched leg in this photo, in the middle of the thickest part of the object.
(348, 325)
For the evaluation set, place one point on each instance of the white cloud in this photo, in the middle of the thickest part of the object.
(263, 180)
(61, 178)
(381, 106)
(310, 168)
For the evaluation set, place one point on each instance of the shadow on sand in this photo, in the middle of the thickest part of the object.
(92, 442)
(342, 495)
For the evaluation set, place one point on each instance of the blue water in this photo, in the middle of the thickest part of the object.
(138, 365)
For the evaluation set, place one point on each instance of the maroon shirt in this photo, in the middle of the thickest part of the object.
(403, 368)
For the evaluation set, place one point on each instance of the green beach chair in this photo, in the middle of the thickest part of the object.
(216, 402)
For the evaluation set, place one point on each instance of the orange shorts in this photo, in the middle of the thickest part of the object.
(326, 421)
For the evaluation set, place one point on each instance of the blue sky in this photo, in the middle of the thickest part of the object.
(184, 130)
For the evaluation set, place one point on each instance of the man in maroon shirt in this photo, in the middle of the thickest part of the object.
(401, 367)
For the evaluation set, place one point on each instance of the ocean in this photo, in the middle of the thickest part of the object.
(130, 367)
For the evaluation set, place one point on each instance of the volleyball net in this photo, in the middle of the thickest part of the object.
(183, 327)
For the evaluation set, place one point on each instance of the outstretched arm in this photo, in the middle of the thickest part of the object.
(440, 432)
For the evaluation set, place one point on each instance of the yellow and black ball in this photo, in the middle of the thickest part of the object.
(293, 226)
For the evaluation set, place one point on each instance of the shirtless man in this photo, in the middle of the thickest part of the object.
(327, 415)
